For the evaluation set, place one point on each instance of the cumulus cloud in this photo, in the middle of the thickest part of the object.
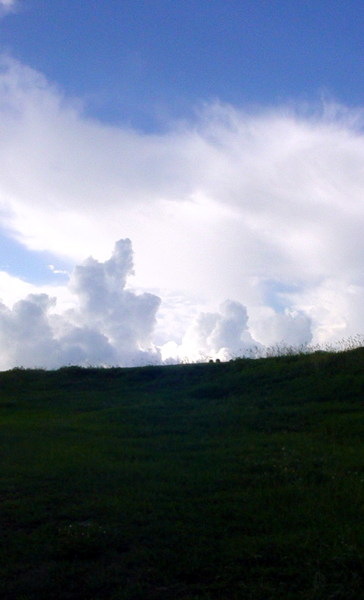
(263, 207)
(108, 324)
(290, 328)
(215, 335)
(127, 319)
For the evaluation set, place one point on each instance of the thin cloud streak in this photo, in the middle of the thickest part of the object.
(262, 208)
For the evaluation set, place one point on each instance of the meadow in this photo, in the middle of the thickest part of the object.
(237, 480)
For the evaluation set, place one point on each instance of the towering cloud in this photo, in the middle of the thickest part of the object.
(109, 324)
(125, 318)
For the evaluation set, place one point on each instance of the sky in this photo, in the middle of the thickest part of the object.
(179, 181)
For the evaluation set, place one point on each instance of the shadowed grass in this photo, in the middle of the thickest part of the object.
(211, 482)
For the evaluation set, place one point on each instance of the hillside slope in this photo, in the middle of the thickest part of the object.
(194, 482)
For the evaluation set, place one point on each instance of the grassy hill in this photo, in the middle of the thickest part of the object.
(238, 480)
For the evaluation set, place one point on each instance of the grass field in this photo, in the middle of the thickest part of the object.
(238, 480)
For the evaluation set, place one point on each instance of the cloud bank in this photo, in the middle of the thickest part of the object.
(110, 325)
(262, 207)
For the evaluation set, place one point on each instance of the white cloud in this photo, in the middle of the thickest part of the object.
(233, 205)
(107, 325)
(57, 271)
(7, 6)
(12, 288)
(290, 328)
(224, 335)
(127, 319)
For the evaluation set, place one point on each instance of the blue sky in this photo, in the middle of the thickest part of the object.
(222, 137)
(138, 61)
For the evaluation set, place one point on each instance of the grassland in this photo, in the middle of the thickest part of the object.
(238, 480)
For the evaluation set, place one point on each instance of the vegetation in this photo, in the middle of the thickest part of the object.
(238, 480)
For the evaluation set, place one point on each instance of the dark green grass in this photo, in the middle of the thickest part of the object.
(239, 480)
